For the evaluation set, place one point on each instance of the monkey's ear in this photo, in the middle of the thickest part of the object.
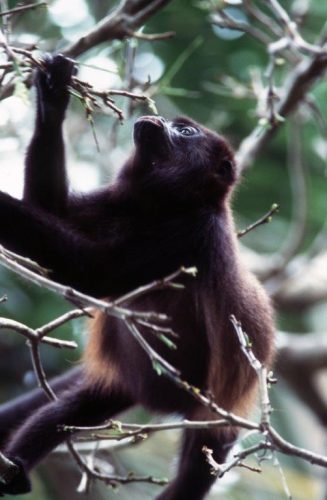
(227, 171)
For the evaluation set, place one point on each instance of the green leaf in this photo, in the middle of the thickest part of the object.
(168, 342)
(157, 367)
(21, 91)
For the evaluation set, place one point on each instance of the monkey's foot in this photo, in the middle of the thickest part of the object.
(19, 484)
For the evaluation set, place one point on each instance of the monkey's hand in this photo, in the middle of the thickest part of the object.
(52, 82)
(19, 484)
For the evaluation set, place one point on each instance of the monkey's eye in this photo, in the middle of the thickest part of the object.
(186, 130)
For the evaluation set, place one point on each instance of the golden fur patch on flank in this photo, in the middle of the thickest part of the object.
(245, 405)
(242, 408)
(234, 390)
(99, 368)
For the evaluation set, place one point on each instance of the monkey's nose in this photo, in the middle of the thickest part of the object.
(156, 120)
(147, 128)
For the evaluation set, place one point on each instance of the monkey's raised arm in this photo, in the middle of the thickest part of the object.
(45, 175)
(119, 261)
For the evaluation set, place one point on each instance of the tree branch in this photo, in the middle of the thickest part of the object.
(22, 8)
(129, 16)
(298, 84)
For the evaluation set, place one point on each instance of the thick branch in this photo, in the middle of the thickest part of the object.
(295, 451)
(300, 81)
(129, 16)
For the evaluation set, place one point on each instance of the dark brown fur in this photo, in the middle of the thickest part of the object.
(169, 207)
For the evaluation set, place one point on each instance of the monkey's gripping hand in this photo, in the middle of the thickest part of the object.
(52, 82)
(19, 484)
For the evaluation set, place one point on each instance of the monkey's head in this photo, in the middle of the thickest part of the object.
(182, 161)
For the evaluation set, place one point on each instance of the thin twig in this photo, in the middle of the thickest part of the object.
(167, 282)
(32, 335)
(22, 8)
(159, 363)
(52, 325)
(260, 369)
(151, 37)
(112, 480)
(39, 370)
(291, 29)
(265, 219)
(129, 430)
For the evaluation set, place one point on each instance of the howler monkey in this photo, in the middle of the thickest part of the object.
(169, 207)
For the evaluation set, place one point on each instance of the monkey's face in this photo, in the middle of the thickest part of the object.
(183, 159)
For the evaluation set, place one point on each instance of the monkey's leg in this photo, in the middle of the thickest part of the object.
(193, 479)
(15, 412)
(43, 431)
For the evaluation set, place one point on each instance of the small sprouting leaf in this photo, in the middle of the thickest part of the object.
(264, 122)
(279, 117)
(21, 91)
(117, 425)
(192, 271)
(152, 106)
(168, 342)
(176, 286)
(157, 367)
(279, 61)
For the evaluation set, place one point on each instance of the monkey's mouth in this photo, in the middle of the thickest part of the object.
(150, 134)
